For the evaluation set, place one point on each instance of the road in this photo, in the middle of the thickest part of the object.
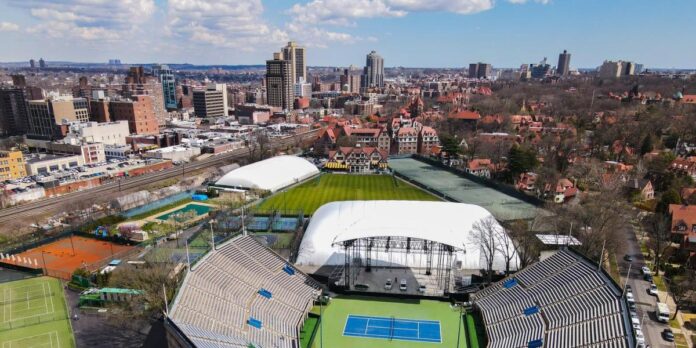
(646, 303)
(48, 205)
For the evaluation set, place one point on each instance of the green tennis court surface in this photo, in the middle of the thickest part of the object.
(33, 314)
(339, 313)
(311, 195)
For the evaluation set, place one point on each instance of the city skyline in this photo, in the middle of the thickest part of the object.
(448, 34)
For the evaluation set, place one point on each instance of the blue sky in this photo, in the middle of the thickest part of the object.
(412, 33)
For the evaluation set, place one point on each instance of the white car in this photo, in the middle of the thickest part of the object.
(653, 289)
(636, 323)
(388, 285)
(421, 289)
(645, 270)
(629, 297)
(403, 286)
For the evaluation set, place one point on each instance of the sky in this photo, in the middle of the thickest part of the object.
(409, 33)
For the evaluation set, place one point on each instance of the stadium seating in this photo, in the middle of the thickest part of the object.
(224, 300)
(563, 301)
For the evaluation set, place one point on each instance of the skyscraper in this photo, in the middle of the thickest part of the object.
(373, 74)
(32, 63)
(298, 64)
(166, 77)
(480, 70)
(42, 63)
(211, 101)
(563, 68)
(350, 80)
(279, 82)
(13, 110)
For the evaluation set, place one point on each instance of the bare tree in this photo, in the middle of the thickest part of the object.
(525, 242)
(683, 291)
(506, 247)
(658, 228)
(485, 233)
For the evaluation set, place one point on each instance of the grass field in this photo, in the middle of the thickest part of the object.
(33, 314)
(311, 195)
(336, 313)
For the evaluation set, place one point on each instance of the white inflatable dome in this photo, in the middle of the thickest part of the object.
(443, 222)
(270, 174)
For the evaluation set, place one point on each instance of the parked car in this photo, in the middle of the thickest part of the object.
(421, 289)
(630, 297)
(403, 286)
(668, 335)
(362, 287)
(628, 258)
(653, 289)
(648, 277)
(388, 285)
(645, 270)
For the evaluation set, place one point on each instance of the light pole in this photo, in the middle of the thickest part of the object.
(212, 234)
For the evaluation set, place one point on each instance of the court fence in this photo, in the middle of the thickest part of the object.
(35, 320)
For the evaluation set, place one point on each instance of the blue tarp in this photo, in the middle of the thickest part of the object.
(535, 343)
(199, 197)
(289, 270)
(265, 293)
(510, 283)
(531, 310)
(254, 322)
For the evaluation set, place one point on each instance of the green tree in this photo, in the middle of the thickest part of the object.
(521, 160)
(647, 145)
(670, 196)
(449, 144)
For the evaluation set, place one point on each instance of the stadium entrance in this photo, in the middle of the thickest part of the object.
(396, 265)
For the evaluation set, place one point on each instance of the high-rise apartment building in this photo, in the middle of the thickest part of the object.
(42, 63)
(211, 101)
(13, 110)
(166, 78)
(139, 111)
(350, 80)
(279, 82)
(611, 69)
(45, 117)
(373, 73)
(12, 165)
(480, 70)
(138, 83)
(563, 68)
(32, 63)
(298, 63)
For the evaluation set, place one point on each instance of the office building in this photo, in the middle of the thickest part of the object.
(303, 89)
(211, 101)
(139, 111)
(563, 68)
(480, 70)
(49, 118)
(32, 63)
(541, 70)
(279, 82)
(13, 111)
(166, 78)
(42, 63)
(108, 133)
(12, 165)
(373, 73)
(298, 63)
(638, 69)
(628, 68)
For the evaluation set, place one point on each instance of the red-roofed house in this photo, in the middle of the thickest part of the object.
(685, 166)
(689, 99)
(464, 115)
(406, 141)
(684, 226)
(480, 167)
(527, 182)
(427, 139)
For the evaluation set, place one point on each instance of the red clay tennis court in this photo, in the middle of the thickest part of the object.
(61, 261)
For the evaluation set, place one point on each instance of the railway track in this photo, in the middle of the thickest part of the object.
(50, 204)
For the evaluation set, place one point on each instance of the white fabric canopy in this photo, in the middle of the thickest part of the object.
(270, 174)
(442, 222)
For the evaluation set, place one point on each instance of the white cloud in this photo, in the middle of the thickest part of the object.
(519, 2)
(87, 19)
(345, 12)
(7, 26)
(235, 24)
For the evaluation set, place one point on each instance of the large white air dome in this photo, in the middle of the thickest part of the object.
(270, 174)
(442, 222)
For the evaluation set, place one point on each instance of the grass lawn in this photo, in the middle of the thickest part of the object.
(33, 313)
(311, 195)
(336, 313)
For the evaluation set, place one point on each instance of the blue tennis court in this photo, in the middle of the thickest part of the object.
(393, 328)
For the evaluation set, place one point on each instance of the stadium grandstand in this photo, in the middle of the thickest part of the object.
(271, 174)
(241, 294)
(348, 237)
(562, 301)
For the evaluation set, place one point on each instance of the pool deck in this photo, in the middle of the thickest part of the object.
(154, 216)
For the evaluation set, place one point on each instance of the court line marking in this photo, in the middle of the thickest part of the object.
(399, 338)
(8, 344)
